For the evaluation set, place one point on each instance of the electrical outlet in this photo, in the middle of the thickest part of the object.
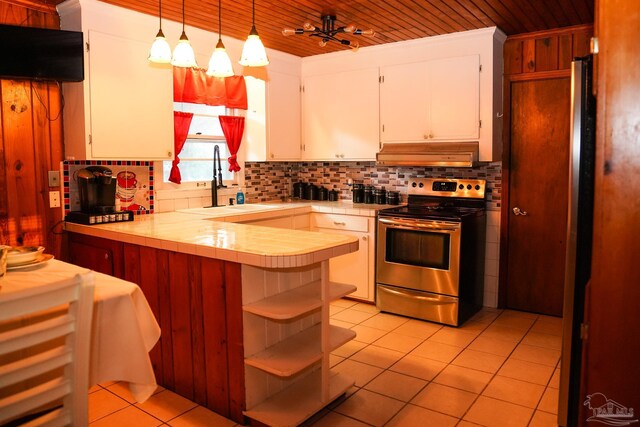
(54, 178)
(54, 199)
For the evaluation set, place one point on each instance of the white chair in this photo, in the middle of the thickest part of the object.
(57, 318)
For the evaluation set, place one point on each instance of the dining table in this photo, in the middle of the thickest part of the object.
(123, 329)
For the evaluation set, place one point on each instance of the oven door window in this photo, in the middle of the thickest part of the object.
(418, 248)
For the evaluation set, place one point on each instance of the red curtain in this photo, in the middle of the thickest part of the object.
(181, 123)
(195, 86)
(233, 127)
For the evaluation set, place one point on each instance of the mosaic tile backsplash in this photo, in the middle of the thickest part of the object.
(265, 181)
(134, 184)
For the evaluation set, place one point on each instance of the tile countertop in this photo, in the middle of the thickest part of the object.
(214, 233)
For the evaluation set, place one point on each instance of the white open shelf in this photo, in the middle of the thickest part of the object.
(296, 302)
(294, 354)
(293, 405)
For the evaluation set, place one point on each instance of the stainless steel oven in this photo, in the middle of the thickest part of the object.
(430, 253)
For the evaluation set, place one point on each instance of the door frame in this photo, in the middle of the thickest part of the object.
(506, 161)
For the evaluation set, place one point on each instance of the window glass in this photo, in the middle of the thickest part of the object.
(205, 133)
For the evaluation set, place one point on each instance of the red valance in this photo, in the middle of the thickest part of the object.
(195, 86)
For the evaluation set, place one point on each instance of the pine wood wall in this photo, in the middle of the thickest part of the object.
(31, 144)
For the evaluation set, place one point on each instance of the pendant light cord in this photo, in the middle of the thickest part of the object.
(220, 19)
(253, 15)
(182, 16)
(160, 16)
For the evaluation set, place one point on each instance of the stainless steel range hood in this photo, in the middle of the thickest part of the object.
(451, 154)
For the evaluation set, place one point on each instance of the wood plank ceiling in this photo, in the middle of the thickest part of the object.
(392, 20)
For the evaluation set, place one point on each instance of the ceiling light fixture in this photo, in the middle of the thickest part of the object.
(220, 63)
(160, 51)
(183, 55)
(253, 52)
(328, 32)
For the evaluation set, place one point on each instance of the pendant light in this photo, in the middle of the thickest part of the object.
(183, 55)
(160, 51)
(220, 63)
(253, 52)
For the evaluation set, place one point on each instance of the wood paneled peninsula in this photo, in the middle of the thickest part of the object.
(243, 308)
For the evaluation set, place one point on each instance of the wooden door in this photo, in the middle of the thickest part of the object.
(538, 185)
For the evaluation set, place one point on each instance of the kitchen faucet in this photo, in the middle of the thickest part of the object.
(216, 182)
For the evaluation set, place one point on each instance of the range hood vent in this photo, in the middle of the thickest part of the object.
(448, 154)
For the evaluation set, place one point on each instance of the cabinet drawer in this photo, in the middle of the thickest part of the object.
(341, 222)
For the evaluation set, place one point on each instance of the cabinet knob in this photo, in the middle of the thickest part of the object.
(337, 156)
(106, 256)
(365, 237)
(341, 156)
(271, 155)
(169, 153)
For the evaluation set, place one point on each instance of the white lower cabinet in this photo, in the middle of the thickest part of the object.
(288, 340)
(356, 268)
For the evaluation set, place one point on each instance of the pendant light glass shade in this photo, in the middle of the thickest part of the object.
(160, 51)
(183, 54)
(253, 52)
(220, 63)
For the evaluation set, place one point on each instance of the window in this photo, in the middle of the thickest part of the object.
(205, 133)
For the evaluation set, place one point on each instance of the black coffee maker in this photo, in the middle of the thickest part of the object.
(97, 190)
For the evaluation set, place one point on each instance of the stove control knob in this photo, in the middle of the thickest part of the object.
(477, 187)
(413, 184)
(468, 186)
(421, 185)
(461, 186)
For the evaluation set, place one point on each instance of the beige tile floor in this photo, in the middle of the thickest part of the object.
(500, 369)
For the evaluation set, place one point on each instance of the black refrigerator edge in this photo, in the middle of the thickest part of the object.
(579, 236)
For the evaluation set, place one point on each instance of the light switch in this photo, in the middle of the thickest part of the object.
(54, 199)
(54, 178)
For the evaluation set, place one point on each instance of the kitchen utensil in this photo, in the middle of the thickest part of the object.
(333, 195)
(311, 192)
(381, 196)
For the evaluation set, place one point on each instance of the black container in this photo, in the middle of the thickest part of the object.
(311, 192)
(323, 193)
(333, 195)
(299, 190)
(97, 188)
(369, 195)
(393, 197)
(358, 193)
(381, 196)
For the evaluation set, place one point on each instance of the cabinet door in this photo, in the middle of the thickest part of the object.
(454, 98)
(131, 100)
(101, 255)
(404, 102)
(353, 268)
(283, 117)
(340, 116)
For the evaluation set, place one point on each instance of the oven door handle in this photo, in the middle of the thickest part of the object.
(415, 295)
(416, 225)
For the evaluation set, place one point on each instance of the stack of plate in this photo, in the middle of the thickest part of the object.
(26, 256)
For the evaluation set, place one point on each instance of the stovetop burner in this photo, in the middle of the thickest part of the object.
(441, 199)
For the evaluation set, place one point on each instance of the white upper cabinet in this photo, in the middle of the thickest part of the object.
(435, 89)
(283, 117)
(124, 107)
(436, 100)
(273, 119)
(340, 115)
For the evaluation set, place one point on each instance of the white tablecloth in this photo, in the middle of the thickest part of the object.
(124, 329)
